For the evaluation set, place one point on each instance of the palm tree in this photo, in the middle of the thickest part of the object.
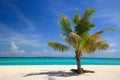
(80, 38)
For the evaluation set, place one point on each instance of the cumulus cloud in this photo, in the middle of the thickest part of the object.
(112, 51)
(40, 52)
(113, 45)
(19, 38)
(14, 48)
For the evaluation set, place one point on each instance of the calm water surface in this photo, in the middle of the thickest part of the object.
(59, 61)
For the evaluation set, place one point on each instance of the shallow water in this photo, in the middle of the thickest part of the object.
(59, 61)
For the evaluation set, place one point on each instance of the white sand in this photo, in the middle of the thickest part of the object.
(58, 73)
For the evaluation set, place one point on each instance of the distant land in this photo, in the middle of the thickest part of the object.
(60, 57)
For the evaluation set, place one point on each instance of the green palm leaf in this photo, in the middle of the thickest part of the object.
(88, 13)
(75, 39)
(102, 45)
(105, 30)
(76, 19)
(95, 43)
(84, 24)
(65, 25)
(58, 46)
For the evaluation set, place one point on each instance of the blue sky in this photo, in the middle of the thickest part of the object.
(27, 25)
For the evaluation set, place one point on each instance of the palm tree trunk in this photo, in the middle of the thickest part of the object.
(79, 69)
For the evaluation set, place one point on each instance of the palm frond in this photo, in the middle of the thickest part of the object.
(95, 44)
(84, 37)
(65, 25)
(76, 19)
(75, 39)
(102, 45)
(105, 30)
(88, 14)
(58, 46)
(85, 24)
(95, 37)
(72, 40)
(90, 46)
(67, 39)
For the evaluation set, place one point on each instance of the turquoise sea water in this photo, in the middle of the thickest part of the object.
(58, 61)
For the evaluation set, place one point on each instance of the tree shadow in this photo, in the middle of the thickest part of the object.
(54, 73)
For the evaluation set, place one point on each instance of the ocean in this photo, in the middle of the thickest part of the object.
(58, 61)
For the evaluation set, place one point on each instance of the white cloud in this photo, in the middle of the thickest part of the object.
(19, 38)
(8, 35)
(44, 51)
(22, 51)
(113, 45)
(112, 51)
(113, 41)
(14, 48)
(36, 52)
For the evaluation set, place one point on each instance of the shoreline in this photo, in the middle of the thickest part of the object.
(59, 72)
(61, 65)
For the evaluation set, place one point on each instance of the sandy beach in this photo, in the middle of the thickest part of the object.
(59, 72)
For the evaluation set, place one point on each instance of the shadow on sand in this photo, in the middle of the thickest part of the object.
(54, 73)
